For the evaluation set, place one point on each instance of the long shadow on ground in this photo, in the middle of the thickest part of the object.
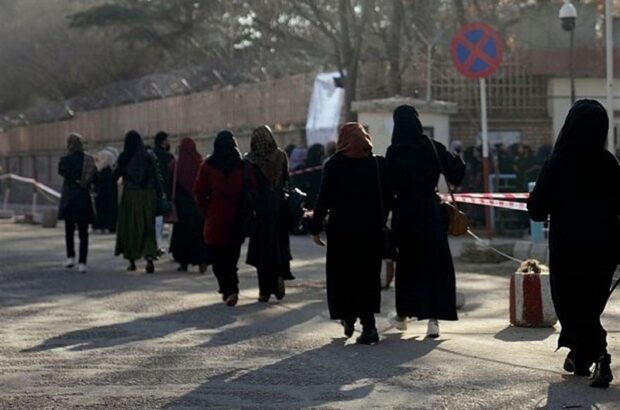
(209, 317)
(331, 373)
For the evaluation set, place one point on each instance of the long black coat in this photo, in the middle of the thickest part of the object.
(75, 201)
(187, 243)
(269, 247)
(581, 195)
(106, 201)
(425, 279)
(349, 197)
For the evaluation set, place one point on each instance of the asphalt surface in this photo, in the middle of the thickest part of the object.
(111, 339)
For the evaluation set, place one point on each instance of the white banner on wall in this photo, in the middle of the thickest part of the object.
(324, 111)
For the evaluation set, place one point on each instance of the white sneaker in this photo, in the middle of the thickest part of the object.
(400, 323)
(82, 268)
(432, 330)
(69, 263)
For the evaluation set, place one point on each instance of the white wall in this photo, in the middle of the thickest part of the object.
(380, 126)
(559, 97)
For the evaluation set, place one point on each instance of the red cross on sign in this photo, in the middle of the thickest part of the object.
(477, 50)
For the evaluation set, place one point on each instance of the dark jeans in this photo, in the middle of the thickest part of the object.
(225, 268)
(70, 240)
(367, 319)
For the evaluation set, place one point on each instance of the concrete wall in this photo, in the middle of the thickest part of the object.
(44, 164)
(533, 132)
(559, 98)
(282, 104)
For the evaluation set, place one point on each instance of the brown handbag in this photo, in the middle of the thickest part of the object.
(172, 216)
(458, 222)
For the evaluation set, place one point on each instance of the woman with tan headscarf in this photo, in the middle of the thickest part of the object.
(76, 208)
(350, 194)
(269, 249)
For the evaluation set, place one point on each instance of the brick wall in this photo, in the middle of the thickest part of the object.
(533, 132)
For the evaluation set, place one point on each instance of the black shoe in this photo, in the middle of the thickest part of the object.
(281, 289)
(202, 268)
(131, 267)
(577, 366)
(264, 298)
(602, 373)
(182, 268)
(150, 267)
(349, 328)
(368, 337)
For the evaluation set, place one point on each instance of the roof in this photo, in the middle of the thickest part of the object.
(389, 104)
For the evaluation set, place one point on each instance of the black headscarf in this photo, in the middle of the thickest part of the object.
(316, 155)
(160, 137)
(134, 159)
(407, 126)
(585, 129)
(226, 155)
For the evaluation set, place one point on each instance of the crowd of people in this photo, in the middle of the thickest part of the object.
(201, 199)
(216, 203)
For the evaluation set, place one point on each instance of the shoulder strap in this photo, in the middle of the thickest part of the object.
(441, 168)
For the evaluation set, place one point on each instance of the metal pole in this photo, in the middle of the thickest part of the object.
(34, 203)
(429, 69)
(7, 193)
(609, 39)
(571, 67)
(486, 168)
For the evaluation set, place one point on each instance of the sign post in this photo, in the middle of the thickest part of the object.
(609, 47)
(477, 52)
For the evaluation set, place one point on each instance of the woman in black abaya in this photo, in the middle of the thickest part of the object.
(186, 244)
(579, 191)
(425, 280)
(350, 196)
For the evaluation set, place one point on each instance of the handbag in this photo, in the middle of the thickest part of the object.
(172, 217)
(457, 222)
(389, 250)
(247, 218)
(295, 200)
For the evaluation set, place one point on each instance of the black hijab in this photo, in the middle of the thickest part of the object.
(585, 129)
(226, 155)
(134, 159)
(407, 126)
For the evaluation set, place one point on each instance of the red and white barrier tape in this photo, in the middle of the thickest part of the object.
(516, 206)
(39, 186)
(306, 170)
(496, 195)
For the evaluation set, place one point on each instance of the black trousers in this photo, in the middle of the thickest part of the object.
(268, 278)
(70, 240)
(580, 289)
(367, 319)
(225, 262)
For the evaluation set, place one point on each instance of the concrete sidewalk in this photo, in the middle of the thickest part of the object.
(117, 340)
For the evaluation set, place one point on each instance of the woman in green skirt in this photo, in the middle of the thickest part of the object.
(135, 234)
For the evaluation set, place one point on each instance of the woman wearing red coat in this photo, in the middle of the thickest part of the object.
(218, 191)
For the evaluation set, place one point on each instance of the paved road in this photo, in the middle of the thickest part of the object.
(118, 340)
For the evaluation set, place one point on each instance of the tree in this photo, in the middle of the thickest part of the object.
(341, 25)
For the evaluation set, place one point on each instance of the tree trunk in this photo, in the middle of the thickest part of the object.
(353, 35)
(393, 48)
(460, 12)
